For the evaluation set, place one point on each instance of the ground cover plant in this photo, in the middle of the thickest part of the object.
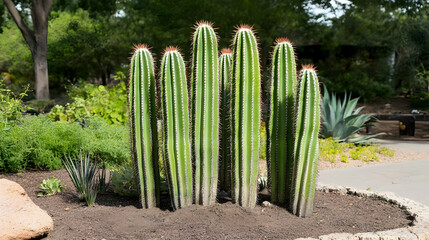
(50, 187)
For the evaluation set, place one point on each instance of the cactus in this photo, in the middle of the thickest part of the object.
(307, 144)
(282, 121)
(175, 115)
(144, 137)
(205, 113)
(245, 117)
(225, 62)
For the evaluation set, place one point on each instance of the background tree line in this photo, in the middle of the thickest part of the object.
(370, 48)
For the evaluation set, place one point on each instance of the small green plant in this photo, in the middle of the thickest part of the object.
(124, 182)
(341, 121)
(50, 187)
(262, 183)
(84, 173)
(11, 106)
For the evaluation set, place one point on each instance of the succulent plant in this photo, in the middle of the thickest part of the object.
(144, 137)
(245, 117)
(306, 143)
(282, 121)
(176, 128)
(205, 113)
(225, 64)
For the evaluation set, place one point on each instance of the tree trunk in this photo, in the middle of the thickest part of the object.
(37, 40)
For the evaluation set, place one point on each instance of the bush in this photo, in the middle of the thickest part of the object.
(39, 142)
(10, 106)
(109, 103)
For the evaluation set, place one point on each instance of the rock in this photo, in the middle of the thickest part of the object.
(266, 204)
(367, 236)
(338, 236)
(20, 218)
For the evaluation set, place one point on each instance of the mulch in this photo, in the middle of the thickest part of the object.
(115, 217)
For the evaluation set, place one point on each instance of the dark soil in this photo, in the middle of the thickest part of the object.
(115, 217)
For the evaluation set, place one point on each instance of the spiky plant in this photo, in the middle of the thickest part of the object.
(225, 64)
(144, 137)
(176, 137)
(282, 121)
(306, 144)
(245, 117)
(205, 113)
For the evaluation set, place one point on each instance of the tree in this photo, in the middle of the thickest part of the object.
(37, 40)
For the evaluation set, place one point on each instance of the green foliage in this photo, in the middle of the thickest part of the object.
(39, 142)
(205, 113)
(420, 101)
(41, 106)
(50, 187)
(176, 130)
(245, 117)
(143, 124)
(85, 175)
(124, 182)
(11, 106)
(110, 103)
(331, 150)
(341, 121)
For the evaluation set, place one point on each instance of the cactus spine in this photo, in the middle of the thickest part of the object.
(225, 63)
(282, 121)
(245, 117)
(205, 113)
(307, 144)
(144, 136)
(176, 138)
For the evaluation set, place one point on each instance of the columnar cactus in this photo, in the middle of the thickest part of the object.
(282, 121)
(144, 136)
(225, 63)
(245, 117)
(205, 113)
(176, 129)
(306, 144)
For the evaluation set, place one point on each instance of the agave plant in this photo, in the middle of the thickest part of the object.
(341, 120)
(85, 175)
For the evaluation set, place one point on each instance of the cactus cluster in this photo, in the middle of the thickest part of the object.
(214, 136)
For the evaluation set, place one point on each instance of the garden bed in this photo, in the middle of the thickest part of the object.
(116, 217)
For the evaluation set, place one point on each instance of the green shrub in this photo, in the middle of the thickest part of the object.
(11, 106)
(39, 142)
(109, 103)
(41, 106)
(124, 183)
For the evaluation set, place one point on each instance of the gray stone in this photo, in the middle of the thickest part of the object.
(397, 234)
(367, 236)
(422, 233)
(338, 236)
(20, 218)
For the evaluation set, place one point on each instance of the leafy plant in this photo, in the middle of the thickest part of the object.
(11, 106)
(108, 103)
(341, 121)
(124, 182)
(50, 187)
(85, 175)
(262, 183)
(41, 143)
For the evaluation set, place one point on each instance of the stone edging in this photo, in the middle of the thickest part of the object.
(418, 231)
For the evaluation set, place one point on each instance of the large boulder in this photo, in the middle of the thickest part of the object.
(20, 218)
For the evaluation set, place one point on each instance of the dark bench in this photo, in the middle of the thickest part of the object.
(407, 122)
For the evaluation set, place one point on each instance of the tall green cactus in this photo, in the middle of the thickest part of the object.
(225, 63)
(144, 137)
(245, 117)
(176, 129)
(282, 121)
(306, 144)
(205, 113)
